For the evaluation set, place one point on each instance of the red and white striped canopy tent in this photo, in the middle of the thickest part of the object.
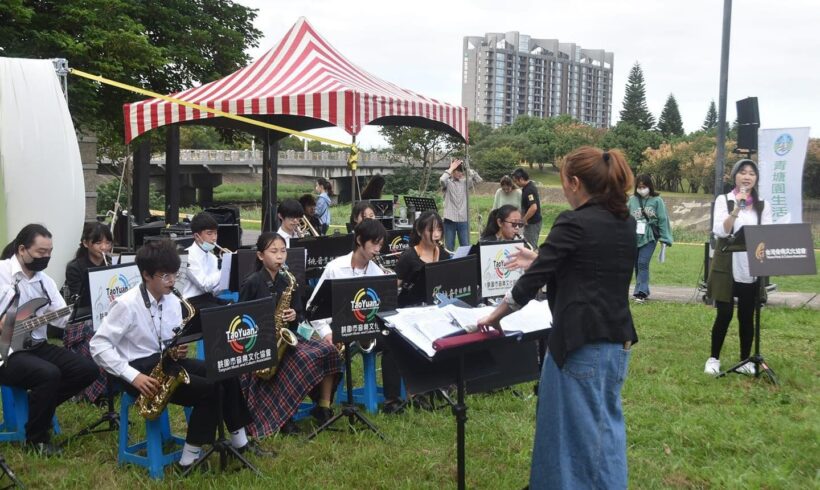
(305, 79)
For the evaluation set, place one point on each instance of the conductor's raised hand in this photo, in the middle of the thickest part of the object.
(146, 385)
(521, 258)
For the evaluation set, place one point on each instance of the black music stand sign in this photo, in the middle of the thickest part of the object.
(397, 242)
(239, 338)
(321, 250)
(353, 304)
(454, 278)
(772, 250)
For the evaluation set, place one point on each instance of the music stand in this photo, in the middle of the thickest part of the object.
(772, 250)
(421, 203)
(353, 304)
(239, 338)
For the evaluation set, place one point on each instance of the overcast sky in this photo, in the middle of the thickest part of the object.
(775, 48)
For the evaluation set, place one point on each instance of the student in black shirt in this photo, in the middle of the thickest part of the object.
(95, 244)
(425, 247)
(530, 206)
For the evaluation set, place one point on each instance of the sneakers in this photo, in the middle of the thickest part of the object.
(256, 449)
(290, 428)
(321, 414)
(639, 298)
(748, 368)
(44, 449)
(712, 366)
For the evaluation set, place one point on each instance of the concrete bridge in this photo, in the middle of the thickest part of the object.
(202, 170)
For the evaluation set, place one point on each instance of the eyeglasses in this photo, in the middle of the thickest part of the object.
(515, 224)
(169, 278)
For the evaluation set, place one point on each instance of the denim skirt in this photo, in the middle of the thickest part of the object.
(580, 436)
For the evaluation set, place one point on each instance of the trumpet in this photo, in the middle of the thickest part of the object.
(305, 228)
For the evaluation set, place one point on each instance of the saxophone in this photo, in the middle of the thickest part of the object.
(151, 407)
(284, 337)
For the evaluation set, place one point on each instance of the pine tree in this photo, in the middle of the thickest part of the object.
(670, 124)
(635, 111)
(711, 120)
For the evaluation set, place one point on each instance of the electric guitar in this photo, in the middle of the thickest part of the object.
(15, 337)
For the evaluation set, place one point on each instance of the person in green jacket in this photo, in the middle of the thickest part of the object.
(648, 209)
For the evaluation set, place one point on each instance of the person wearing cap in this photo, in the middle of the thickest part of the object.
(729, 276)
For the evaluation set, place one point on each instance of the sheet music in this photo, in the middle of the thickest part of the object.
(462, 251)
(536, 315)
(225, 272)
(467, 318)
(436, 329)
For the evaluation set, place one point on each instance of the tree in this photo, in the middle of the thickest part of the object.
(632, 141)
(160, 45)
(635, 111)
(711, 120)
(425, 146)
(811, 170)
(497, 162)
(670, 123)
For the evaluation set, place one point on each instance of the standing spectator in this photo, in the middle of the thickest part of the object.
(507, 194)
(586, 264)
(648, 209)
(454, 185)
(324, 189)
(530, 206)
(374, 187)
(729, 276)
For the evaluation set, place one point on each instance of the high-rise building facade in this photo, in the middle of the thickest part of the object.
(506, 75)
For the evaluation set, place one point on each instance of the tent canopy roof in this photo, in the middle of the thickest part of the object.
(302, 77)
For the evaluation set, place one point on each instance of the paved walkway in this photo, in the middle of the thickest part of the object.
(671, 293)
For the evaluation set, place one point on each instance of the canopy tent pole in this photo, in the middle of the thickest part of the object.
(172, 179)
(353, 181)
(467, 185)
(270, 164)
(140, 181)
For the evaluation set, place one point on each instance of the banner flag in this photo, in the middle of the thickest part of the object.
(781, 158)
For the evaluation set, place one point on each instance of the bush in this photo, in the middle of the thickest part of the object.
(495, 163)
(403, 180)
(107, 194)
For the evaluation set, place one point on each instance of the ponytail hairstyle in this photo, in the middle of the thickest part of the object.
(93, 232)
(427, 220)
(502, 214)
(605, 174)
(26, 238)
(264, 241)
(326, 185)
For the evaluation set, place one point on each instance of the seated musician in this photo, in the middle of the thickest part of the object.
(359, 211)
(503, 224)
(134, 336)
(51, 374)
(308, 203)
(425, 247)
(368, 237)
(310, 367)
(95, 245)
(290, 216)
(203, 265)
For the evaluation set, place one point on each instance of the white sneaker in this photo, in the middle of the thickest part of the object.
(712, 366)
(748, 368)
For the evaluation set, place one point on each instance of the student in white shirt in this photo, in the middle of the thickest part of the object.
(52, 374)
(203, 268)
(290, 216)
(368, 237)
(130, 341)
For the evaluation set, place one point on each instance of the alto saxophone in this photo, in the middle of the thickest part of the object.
(284, 337)
(151, 407)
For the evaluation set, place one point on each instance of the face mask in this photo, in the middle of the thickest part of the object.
(207, 246)
(38, 264)
(643, 191)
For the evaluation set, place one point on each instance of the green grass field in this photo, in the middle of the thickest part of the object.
(685, 429)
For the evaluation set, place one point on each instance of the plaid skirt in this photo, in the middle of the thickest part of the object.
(272, 402)
(77, 338)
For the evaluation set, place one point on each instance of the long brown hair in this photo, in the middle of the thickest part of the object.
(605, 175)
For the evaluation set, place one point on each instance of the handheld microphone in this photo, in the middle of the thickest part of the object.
(742, 204)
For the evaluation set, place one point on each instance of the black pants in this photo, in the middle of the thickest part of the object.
(391, 379)
(202, 395)
(52, 375)
(745, 294)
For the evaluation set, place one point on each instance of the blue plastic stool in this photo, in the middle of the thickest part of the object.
(303, 411)
(228, 295)
(157, 433)
(15, 414)
(371, 394)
